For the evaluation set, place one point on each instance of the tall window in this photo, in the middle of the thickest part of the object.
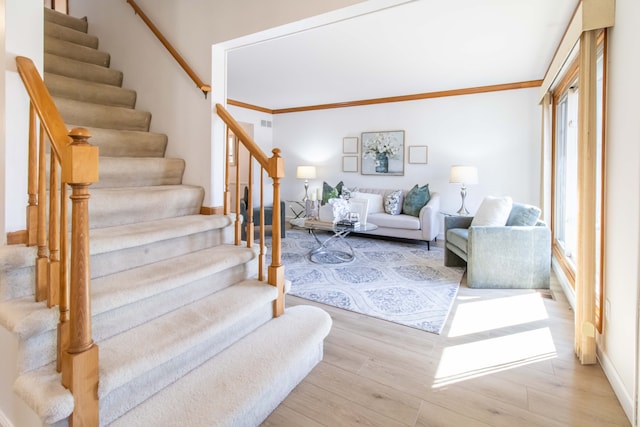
(566, 175)
(566, 167)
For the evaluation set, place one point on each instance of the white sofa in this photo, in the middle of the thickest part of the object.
(425, 227)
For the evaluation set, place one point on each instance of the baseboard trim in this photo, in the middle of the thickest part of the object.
(211, 210)
(626, 401)
(17, 237)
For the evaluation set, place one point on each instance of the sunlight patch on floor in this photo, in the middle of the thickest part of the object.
(482, 357)
(478, 316)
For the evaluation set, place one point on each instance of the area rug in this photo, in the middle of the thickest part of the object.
(398, 281)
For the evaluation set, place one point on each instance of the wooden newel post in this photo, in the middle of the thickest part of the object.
(275, 275)
(80, 360)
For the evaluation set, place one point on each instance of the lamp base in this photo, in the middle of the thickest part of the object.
(463, 194)
(462, 211)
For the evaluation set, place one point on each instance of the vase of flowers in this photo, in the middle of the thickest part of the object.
(381, 147)
(382, 163)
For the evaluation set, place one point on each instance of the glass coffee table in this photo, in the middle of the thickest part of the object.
(335, 249)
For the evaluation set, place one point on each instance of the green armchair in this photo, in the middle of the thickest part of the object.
(510, 256)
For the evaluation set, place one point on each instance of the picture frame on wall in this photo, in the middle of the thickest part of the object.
(418, 154)
(349, 163)
(350, 145)
(382, 153)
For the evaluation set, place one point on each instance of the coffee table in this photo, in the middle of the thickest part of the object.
(335, 249)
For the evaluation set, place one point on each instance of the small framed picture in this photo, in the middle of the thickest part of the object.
(349, 163)
(418, 154)
(350, 145)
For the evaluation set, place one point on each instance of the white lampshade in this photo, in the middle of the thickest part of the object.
(306, 172)
(464, 175)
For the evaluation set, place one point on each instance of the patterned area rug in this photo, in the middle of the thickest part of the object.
(397, 281)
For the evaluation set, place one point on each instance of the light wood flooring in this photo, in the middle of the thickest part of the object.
(505, 358)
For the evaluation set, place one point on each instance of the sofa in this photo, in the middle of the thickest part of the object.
(501, 256)
(425, 226)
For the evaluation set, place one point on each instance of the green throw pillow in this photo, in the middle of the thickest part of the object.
(415, 199)
(329, 192)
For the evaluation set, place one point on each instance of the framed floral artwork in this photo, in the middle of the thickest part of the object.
(382, 153)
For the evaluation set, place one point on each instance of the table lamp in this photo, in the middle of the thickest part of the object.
(306, 173)
(463, 175)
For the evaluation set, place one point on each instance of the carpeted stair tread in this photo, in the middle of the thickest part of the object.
(86, 91)
(126, 236)
(118, 206)
(75, 51)
(139, 171)
(26, 318)
(17, 274)
(252, 377)
(102, 116)
(81, 70)
(126, 143)
(156, 347)
(35, 324)
(16, 256)
(51, 29)
(181, 235)
(79, 24)
(42, 390)
(128, 354)
(110, 292)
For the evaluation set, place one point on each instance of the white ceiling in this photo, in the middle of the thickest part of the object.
(417, 47)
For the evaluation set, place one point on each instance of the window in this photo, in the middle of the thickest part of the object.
(578, 179)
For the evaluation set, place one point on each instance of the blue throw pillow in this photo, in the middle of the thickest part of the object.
(329, 192)
(415, 200)
(523, 215)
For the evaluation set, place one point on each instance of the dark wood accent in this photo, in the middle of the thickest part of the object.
(205, 88)
(400, 98)
(211, 210)
(17, 237)
(249, 106)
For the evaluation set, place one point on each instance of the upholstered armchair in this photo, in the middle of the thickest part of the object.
(509, 256)
(268, 215)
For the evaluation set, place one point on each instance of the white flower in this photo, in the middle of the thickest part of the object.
(380, 143)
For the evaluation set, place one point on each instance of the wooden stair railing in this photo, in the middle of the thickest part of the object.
(205, 88)
(274, 167)
(61, 279)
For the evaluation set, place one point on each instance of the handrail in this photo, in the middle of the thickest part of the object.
(74, 163)
(205, 88)
(274, 167)
(235, 127)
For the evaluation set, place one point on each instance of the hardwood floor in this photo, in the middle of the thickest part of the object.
(505, 358)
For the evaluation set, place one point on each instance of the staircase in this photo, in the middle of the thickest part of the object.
(185, 331)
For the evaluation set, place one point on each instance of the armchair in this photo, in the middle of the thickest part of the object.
(510, 256)
(268, 215)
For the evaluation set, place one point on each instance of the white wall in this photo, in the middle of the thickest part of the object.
(192, 26)
(21, 37)
(498, 132)
(18, 36)
(618, 346)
